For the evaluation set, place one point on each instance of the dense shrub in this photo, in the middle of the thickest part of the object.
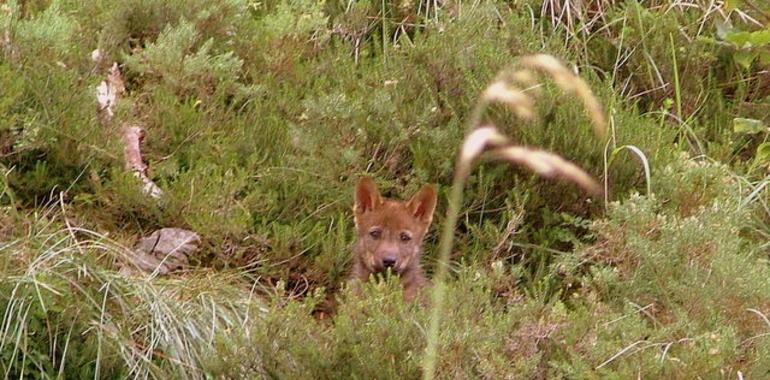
(260, 115)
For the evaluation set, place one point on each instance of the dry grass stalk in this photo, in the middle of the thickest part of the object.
(576, 16)
(511, 228)
(487, 139)
(478, 140)
(548, 165)
(518, 101)
(5, 40)
(569, 82)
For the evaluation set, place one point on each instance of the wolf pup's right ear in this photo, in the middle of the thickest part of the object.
(423, 204)
(367, 196)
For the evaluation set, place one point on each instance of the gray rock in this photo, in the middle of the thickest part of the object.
(165, 250)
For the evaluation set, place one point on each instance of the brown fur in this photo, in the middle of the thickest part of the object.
(394, 230)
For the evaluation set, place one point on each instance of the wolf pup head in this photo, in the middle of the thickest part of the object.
(390, 232)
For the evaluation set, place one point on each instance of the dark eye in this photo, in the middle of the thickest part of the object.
(405, 237)
(375, 234)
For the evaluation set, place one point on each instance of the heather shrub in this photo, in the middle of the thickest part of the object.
(259, 116)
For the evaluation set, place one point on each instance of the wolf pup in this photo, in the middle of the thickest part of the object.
(389, 234)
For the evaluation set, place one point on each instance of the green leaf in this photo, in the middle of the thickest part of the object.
(748, 126)
(732, 4)
(763, 153)
(739, 39)
(760, 37)
(744, 58)
(764, 57)
(748, 39)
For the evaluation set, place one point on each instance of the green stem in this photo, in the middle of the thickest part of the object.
(439, 280)
(462, 171)
(677, 89)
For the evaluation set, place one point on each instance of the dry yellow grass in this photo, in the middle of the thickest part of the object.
(571, 83)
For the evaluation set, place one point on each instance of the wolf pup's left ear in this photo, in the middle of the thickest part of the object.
(423, 204)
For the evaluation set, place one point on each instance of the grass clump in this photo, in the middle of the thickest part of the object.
(69, 312)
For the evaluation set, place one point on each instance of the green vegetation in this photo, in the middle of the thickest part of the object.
(260, 116)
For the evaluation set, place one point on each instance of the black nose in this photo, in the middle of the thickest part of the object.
(389, 262)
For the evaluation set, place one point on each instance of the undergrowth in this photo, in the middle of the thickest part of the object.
(260, 116)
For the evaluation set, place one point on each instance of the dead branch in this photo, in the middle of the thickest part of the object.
(108, 93)
(133, 135)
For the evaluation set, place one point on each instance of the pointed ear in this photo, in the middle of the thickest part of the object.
(367, 196)
(423, 204)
